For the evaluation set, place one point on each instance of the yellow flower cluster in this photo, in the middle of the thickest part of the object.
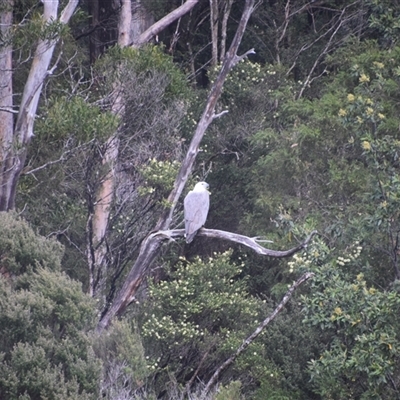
(378, 64)
(366, 145)
(299, 260)
(369, 111)
(351, 97)
(352, 254)
(364, 78)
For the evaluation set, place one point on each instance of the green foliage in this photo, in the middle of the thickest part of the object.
(33, 28)
(21, 248)
(74, 119)
(45, 318)
(124, 365)
(45, 350)
(229, 392)
(288, 158)
(69, 134)
(270, 392)
(159, 175)
(371, 117)
(201, 314)
(229, 150)
(202, 310)
(342, 151)
(145, 60)
(189, 289)
(359, 325)
(385, 18)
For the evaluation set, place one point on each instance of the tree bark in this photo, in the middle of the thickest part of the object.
(129, 22)
(151, 244)
(141, 20)
(6, 102)
(124, 23)
(15, 155)
(214, 31)
(224, 27)
(98, 222)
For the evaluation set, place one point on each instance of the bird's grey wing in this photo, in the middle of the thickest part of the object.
(196, 205)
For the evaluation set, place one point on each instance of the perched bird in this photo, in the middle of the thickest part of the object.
(196, 205)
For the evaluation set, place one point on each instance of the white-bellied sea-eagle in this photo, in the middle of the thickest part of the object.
(196, 205)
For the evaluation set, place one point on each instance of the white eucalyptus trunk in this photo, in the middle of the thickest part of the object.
(224, 27)
(15, 140)
(6, 104)
(214, 15)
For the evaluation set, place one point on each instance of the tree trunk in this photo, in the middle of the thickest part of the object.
(214, 31)
(6, 104)
(94, 38)
(125, 23)
(103, 26)
(13, 156)
(129, 22)
(98, 222)
(224, 28)
(141, 20)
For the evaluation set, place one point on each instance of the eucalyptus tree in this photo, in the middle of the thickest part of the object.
(16, 135)
(44, 28)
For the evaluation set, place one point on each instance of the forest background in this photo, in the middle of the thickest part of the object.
(100, 297)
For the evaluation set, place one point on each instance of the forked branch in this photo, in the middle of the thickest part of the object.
(160, 25)
(252, 243)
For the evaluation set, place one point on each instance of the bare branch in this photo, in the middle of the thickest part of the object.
(156, 28)
(328, 47)
(224, 26)
(252, 242)
(237, 238)
(215, 116)
(214, 16)
(284, 28)
(256, 333)
(64, 156)
(328, 31)
(322, 54)
(9, 110)
(151, 244)
(243, 56)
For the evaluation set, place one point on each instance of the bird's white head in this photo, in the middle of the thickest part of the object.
(201, 186)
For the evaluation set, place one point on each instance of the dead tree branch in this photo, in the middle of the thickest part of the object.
(252, 243)
(151, 244)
